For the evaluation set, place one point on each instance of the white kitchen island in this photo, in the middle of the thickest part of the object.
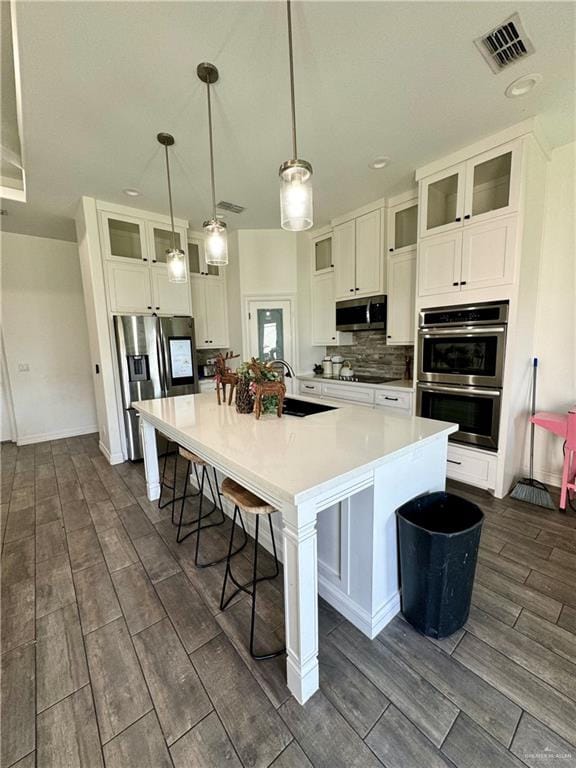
(371, 461)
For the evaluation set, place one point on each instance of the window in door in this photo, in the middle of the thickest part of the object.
(491, 189)
(270, 335)
(125, 241)
(442, 202)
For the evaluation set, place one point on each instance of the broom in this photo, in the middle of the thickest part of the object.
(528, 489)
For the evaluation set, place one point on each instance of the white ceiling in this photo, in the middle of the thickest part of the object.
(403, 79)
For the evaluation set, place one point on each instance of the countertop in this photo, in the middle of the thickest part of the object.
(396, 384)
(290, 458)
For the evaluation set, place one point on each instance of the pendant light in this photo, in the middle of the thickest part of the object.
(295, 175)
(175, 257)
(216, 242)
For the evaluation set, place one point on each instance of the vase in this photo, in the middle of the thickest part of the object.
(244, 397)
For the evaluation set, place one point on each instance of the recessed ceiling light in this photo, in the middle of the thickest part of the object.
(131, 192)
(522, 85)
(379, 162)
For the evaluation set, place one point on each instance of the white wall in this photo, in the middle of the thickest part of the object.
(44, 327)
(555, 337)
(267, 260)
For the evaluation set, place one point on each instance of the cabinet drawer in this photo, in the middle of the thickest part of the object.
(394, 399)
(344, 392)
(470, 466)
(310, 388)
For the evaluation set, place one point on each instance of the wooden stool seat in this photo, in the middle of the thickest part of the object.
(245, 499)
(192, 457)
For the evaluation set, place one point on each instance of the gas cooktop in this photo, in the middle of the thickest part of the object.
(361, 379)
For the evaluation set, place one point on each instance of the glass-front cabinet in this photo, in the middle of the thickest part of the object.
(161, 240)
(483, 187)
(123, 237)
(197, 261)
(322, 254)
(402, 226)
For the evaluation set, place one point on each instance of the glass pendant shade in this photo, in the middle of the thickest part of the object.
(216, 243)
(296, 199)
(176, 265)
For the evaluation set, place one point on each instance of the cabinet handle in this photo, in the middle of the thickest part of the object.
(331, 266)
(150, 307)
(157, 307)
(463, 282)
(451, 461)
(391, 398)
(333, 338)
(467, 216)
(144, 259)
(391, 250)
(458, 218)
(351, 290)
(388, 337)
(154, 261)
(455, 283)
(308, 386)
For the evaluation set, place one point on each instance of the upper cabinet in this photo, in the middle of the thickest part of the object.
(357, 256)
(322, 254)
(160, 240)
(401, 285)
(123, 238)
(403, 226)
(208, 291)
(197, 260)
(485, 186)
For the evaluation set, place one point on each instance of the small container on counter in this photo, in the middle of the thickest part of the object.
(337, 361)
(327, 367)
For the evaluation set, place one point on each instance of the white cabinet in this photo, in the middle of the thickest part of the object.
(160, 241)
(310, 388)
(322, 254)
(472, 466)
(129, 288)
(357, 256)
(398, 400)
(484, 187)
(352, 392)
(488, 253)
(369, 254)
(402, 227)
(344, 258)
(169, 298)
(439, 264)
(210, 312)
(401, 284)
(480, 256)
(324, 331)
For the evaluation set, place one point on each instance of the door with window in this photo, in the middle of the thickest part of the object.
(270, 331)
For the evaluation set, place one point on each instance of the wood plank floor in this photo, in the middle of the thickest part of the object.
(114, 651)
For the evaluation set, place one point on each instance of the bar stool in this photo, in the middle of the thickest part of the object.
(246, 501)
(164, 484)
(196, 461)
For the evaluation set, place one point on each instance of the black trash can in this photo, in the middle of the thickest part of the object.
(438, 538)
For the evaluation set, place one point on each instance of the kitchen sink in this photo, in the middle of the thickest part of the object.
(294, 407)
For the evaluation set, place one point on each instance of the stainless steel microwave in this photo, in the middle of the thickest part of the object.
(361, 314)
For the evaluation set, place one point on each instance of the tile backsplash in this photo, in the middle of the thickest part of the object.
(370, 355)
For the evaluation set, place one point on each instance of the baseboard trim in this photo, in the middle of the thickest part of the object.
(545, 476)
(111, 458)
(44, 437)
(369, 625)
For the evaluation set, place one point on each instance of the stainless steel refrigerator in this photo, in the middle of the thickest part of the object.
(156, 358)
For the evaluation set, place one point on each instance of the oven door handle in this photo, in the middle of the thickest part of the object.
(462, 331)
(368, 307)
(460, 390)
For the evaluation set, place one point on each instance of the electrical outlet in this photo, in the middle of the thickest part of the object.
(23, 367)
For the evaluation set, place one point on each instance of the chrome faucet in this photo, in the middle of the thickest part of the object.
(289, 370)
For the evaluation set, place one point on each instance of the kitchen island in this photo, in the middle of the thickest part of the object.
(367, 460)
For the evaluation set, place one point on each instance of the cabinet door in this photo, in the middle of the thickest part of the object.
(493, 183)
(197, 260)
(402, 226)
(197, 285)
(322, 254)
(488, 253)
(216, 313)
(442, 201)
(160, 241)
(129, 287)
(344, 256)
(439, 264)
(169, 298)
(369, 277)
(323, 310)
(123, 238)
(401, 297)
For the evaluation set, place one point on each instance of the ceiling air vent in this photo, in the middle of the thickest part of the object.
(232, 207)
(505, 44)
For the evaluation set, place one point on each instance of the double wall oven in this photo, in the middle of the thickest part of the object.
(461, 354)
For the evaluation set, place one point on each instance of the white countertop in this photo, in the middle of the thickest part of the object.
(396, 384)
(291, 458)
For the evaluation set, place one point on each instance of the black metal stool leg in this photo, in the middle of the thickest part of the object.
(255, 580)
(162, 483)
(174, 477)
(178, 538)
(212, 525)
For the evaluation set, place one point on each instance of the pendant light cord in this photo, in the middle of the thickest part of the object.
(170, 197)
(211, 149)
(292, 96)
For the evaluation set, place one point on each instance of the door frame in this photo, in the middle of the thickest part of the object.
(291, 300)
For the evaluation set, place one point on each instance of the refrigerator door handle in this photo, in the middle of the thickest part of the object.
(162, 358)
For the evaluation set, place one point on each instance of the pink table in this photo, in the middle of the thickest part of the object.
(563, 425)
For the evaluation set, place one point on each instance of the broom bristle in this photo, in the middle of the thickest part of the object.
(526, 490)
